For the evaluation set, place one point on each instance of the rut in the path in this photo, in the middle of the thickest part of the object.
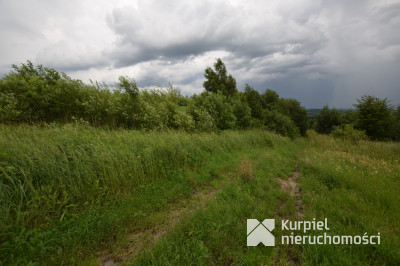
(145, 239)
(290, 185)
(148, 237)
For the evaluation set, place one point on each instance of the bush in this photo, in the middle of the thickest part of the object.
(39, 95)
(183, 120)
(281, 124)
(298, 114)
(203, 120)
(348, 132)
(220, 109)
(242, 111)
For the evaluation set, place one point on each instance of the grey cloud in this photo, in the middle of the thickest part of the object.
(196, 30)
(180, 31)
(69, 56)
(387, 14)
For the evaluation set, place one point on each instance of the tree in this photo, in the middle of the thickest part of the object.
(128, 85)
(254, 100)
(375, 117)
(298, 114)
(397, 124)
(281, 124)
(241, 110)
(219, 108)
(219, 80)
(327, 119)
(269, 99)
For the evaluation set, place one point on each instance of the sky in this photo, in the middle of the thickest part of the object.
(318, 52)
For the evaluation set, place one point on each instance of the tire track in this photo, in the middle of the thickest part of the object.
(147, 238)
(144, 239)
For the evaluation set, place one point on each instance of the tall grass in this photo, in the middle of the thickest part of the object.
(216, 234)
(50, 174)
(356, 187)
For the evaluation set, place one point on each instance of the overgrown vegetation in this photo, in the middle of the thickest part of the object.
(373, 116)
(352, 184)
(32, 95)
(216, 235)
(349, 133)
(355, 186)
(53, 179)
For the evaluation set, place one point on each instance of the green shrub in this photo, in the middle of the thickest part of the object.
(39, 95)
(348, 132)
(219, 107)
(281, 124)
(183, 120)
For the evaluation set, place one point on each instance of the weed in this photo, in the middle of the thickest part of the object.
(246, 170)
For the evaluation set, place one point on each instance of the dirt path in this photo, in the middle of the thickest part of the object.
(291, 185)
(286, 254)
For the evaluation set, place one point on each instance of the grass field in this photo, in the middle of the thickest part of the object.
(79, 195)
(357, 187)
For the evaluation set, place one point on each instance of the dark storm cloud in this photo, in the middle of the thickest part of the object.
(150, 32)
(180, 30)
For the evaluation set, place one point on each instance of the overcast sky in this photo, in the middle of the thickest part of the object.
(319, 52)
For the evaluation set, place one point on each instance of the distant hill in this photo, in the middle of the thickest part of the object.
(311, 113)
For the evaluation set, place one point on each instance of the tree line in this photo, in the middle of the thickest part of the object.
(30, 94)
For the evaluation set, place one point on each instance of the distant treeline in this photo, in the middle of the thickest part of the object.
(32, 95)
(373, 117)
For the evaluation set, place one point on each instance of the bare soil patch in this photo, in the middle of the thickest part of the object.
(291, 185)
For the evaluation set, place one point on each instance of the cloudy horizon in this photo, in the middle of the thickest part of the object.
(319, 52)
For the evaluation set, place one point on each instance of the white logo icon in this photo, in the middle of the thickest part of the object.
(260, 232)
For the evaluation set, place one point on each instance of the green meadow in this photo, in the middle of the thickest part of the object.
(79, 195)
(98, 175)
